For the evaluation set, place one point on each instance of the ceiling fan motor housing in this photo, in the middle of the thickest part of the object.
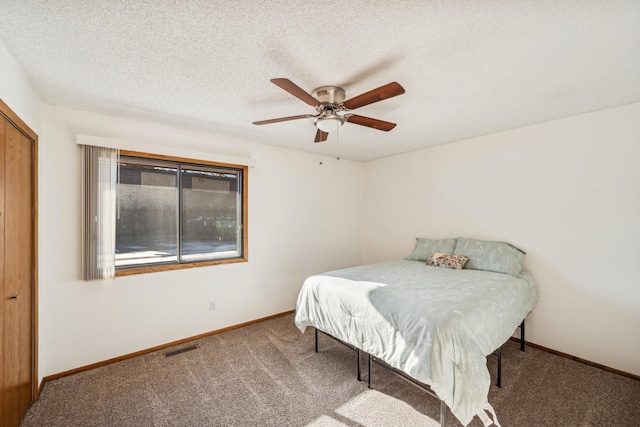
(329, 94)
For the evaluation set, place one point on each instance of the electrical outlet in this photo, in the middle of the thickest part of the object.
(212, 305)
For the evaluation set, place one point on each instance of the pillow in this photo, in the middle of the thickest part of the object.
(487, 255)
(425, 247)
(438, 259)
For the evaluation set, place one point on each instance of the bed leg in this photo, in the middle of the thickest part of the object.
(358, 368)
(443, 413)
(369, 373)
(316, 329)
(500, 367)
(522, 336)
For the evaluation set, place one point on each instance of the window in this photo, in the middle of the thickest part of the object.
(174, 213)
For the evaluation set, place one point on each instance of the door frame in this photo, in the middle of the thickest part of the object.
(14, 119)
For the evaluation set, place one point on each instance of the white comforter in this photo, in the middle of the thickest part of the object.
(435, 324)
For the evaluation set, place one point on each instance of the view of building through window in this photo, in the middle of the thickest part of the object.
(172, 212)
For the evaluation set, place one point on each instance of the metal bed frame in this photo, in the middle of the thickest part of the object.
(404, 376)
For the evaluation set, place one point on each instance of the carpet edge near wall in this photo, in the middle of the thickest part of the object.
(157, 348)
(273, 316)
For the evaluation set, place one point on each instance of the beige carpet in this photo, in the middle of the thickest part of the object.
(268, 375)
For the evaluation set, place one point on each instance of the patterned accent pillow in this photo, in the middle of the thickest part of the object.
(452, 261)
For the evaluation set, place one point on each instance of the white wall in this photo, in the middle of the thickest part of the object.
(567, 191)
(303, 218)
(16, 90)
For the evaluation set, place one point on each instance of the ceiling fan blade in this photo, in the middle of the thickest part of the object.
(295, 90)
(383, 92)
(321, 136)
(369, 122)
(282, 119)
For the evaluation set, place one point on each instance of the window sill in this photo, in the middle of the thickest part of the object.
(169, 267)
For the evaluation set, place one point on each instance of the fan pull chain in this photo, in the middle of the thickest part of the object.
(322, 152)
(338, 143)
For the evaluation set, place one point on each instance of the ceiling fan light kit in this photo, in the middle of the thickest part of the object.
(330, 100)
(329, 122)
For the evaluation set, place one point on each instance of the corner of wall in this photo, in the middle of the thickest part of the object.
(17, 91)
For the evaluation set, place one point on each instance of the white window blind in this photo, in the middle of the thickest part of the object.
(100, 169)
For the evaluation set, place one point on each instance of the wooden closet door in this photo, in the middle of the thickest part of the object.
(3, 294)
(17, 274)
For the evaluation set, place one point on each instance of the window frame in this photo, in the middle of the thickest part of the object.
(127, 271)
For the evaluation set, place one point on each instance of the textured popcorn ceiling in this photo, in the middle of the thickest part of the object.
(469, 67)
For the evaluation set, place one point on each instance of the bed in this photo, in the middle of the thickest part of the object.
(434, 323)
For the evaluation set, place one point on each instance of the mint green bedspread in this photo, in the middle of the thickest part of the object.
(435, 324)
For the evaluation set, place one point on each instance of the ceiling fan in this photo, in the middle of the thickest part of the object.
(329, 101)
